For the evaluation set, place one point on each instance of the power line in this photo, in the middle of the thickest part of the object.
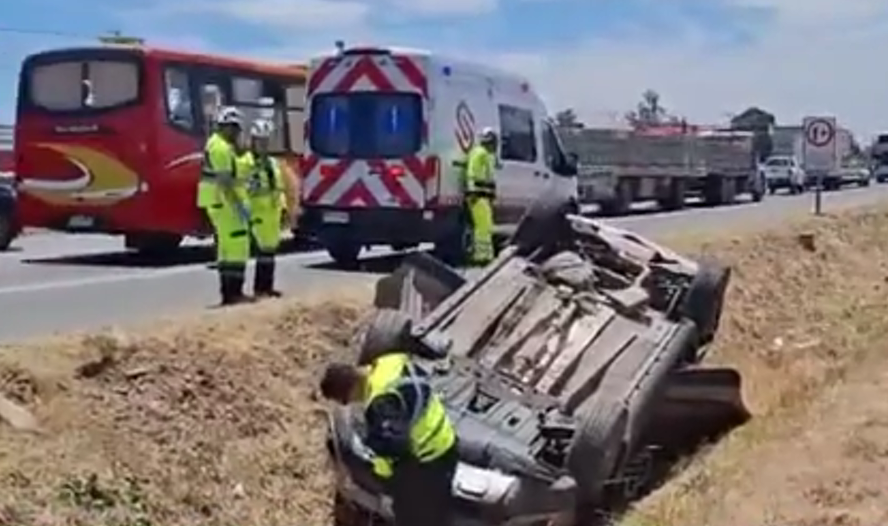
(47, 32)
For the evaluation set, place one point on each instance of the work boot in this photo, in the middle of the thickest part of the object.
(232, 289)
(263, 280)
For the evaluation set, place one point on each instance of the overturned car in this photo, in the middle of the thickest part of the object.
(571, 367)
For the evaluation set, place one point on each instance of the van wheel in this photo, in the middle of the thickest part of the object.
(344, 253)
(452, 248)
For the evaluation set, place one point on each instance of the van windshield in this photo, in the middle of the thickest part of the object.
(366, 125)
(80, 81)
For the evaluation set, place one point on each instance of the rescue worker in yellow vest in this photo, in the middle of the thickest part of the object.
(222, 193)
(268, 191)
(480, 191)
(409, 431)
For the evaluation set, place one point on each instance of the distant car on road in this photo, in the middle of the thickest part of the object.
(9, 225)
(855, 171)
(783, 171)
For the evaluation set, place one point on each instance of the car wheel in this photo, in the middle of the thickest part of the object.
(386, 332)
(704, 298)
(543, 224)
(596, 448)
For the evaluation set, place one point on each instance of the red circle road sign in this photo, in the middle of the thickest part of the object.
(820, 132)
(465, 127)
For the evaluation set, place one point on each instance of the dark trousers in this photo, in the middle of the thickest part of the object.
(422, 492)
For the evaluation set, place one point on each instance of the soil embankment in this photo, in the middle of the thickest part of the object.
(212, 422)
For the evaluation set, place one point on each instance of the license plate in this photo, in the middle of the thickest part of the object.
(81, 222)
(336, 217)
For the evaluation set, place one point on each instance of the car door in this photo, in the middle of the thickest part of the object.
(555, 165)
(517, 169)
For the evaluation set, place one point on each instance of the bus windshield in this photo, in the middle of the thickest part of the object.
(80, 81)
(366, 125)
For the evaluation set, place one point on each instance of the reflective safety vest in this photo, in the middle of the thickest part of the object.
(220, 161)
(431, 432)
(266, 182)
(479, 173)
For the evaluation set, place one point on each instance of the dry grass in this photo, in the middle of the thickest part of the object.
(799, 323)
(213, 423)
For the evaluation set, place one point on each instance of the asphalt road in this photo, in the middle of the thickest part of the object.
(56, 283)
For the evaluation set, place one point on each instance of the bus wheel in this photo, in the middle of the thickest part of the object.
(153, 245)
(7, 233)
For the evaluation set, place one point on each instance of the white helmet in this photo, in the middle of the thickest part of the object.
(261, 129)
(229, 115)
(487, 134)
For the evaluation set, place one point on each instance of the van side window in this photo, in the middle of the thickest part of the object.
(517, 134)
(177, 89)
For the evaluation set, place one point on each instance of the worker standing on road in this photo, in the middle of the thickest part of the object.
(408, 430)
(268, 191)
(222, 193)
(480, 191)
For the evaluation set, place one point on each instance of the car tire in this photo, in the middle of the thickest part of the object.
(595, 449)
(704, 300)
(543, 224)
(386, 332)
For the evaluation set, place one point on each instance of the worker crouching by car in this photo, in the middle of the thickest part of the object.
(269, 196)
(413, 439)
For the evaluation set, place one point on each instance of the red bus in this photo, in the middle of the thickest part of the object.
(109, 138)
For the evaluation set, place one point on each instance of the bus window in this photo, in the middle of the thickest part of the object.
(211, 101)
(57, 86)
(178, 99)
(75, 84)
(113, 83)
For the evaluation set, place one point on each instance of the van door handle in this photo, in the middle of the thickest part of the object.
(544, 175)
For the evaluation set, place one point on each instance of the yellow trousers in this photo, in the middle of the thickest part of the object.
(267, 228)
(481, 216)
(232, 235)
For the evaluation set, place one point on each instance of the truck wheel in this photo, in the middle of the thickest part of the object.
(344, 253)
(595, 450)
(386, 332)
(863, 182)
(704, 298)
(719, 190)
(675, 200)
(153, 245)
(621, 203)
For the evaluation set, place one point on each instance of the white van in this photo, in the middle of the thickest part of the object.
(387, 135)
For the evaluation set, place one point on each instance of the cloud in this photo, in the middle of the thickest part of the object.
(811, 56)
(274, 14)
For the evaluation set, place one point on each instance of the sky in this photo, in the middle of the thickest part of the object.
(708, 59)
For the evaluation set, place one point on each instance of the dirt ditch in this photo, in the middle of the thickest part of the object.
(213, 421)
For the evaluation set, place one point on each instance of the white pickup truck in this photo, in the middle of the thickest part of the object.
(783, 171)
